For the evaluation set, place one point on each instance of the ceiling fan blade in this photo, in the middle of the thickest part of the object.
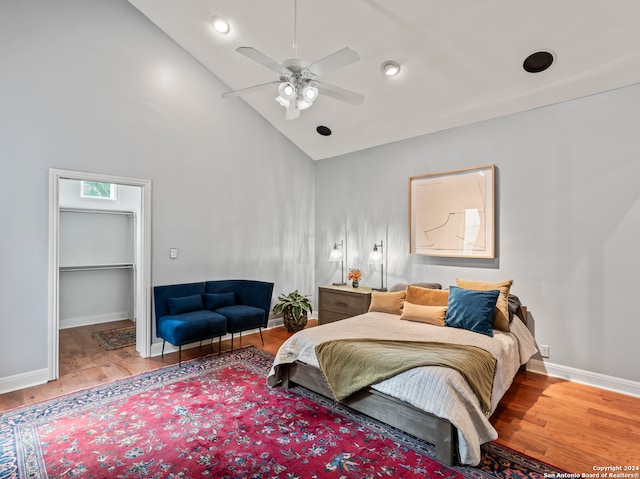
(336, 60)
(250, 89)
(340, 93)
(292, 112)
(261, 58)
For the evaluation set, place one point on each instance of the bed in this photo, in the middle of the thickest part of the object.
(434, 403)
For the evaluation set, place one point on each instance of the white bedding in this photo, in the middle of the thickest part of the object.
(438, 390)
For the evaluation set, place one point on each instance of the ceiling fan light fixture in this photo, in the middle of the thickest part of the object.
(220, 24)
(287, 90)
(309, 93)
(286, 93)
(390, 68)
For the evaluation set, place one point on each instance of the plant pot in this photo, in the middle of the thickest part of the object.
(355, 283)
(291, 323)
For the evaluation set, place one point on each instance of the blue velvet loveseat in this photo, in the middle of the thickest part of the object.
(191, 312)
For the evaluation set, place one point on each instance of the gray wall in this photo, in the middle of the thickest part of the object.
(568, 219)
(94, 86)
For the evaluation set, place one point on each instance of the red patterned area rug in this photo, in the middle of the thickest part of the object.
(215, 417)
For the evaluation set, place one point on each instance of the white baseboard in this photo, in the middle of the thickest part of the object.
(24, 380)
(95, 319)
(602, 381)
(275, 322)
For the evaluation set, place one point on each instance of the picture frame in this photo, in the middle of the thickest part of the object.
(452, 213)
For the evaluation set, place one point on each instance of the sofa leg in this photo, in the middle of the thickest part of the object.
(219, 344)
(231, 342)
(163, 341)
(179, 355)
(261, 338)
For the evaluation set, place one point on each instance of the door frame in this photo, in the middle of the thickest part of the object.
(143, 262)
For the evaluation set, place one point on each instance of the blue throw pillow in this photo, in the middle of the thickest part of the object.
(214, 301)
(471, 309)
(185, 304)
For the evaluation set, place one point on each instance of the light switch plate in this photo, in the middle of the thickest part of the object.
(173, 253)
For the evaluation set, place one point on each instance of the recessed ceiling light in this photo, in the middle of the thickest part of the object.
(220, 24)
(538, 61)
(390, 68)
(323, 130)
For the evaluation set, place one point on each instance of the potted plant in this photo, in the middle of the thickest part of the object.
(294, 307)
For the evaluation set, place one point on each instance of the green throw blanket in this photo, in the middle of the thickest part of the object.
(352, 364)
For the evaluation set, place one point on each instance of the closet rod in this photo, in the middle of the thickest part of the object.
(96, 267)
(104, 212)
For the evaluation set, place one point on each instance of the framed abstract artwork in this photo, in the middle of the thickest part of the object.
(452, 213)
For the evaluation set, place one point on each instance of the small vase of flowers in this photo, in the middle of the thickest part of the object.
(354, 275)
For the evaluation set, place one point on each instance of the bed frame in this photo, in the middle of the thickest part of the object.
(386, 409)
(394, 412)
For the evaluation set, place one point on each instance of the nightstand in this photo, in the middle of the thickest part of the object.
(339, 302)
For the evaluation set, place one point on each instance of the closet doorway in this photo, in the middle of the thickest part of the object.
(99, 256)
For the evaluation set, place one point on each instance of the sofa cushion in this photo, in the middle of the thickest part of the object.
(241, 317)
(248, 292)
(214, 301)
(161, 295)
(185, 304)
(193, 326)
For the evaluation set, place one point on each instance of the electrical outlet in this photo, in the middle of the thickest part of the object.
(544, 350)
(173, 253)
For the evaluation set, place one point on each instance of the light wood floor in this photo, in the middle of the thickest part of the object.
(567, 425)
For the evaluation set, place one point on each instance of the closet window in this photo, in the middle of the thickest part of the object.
(98, 190)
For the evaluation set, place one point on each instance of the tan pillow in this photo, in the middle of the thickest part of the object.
(424, 314)
(501, 313)
(387, 302)
(403, 286)
(426, 296)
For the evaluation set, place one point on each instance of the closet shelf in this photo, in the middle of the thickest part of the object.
(97, 267)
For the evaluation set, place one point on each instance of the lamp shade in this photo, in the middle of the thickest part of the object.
(375, 256)
(287, 90)
(286, 93)
(336, 254)
(309, 92)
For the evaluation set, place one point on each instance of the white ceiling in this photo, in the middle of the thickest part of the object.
(461, 60)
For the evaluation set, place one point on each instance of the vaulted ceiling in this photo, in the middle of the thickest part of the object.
(461, 62)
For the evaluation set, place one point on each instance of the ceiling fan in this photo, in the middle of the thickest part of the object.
(297, 86)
